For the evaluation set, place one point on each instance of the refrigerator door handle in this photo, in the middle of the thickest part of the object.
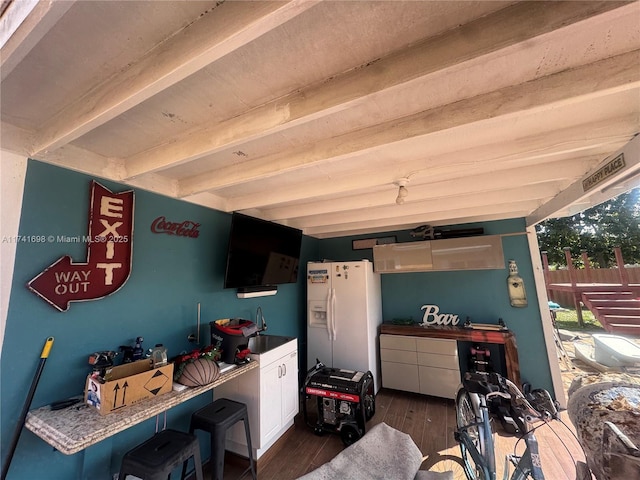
(329, 313)
(333, 314)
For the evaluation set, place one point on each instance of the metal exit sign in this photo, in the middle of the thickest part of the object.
(109, 254)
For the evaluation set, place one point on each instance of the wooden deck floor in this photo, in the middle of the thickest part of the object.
(430, 421)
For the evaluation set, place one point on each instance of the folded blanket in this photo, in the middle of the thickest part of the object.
(383, 453)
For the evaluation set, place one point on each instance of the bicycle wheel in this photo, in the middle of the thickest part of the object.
(451, 464)
(467, 419)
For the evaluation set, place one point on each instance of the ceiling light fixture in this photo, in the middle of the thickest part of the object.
(402, 190)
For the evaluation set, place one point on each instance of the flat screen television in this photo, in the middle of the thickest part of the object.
(261, 253)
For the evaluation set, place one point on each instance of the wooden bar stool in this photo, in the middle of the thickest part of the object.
(216, 418)
(156, 458)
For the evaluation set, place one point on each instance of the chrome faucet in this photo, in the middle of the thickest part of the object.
(260, 323)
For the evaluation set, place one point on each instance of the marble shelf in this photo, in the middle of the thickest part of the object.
(75, 428)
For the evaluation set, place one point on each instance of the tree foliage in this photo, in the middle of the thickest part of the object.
(598, 230)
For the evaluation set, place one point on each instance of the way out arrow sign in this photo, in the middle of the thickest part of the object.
(109, 254)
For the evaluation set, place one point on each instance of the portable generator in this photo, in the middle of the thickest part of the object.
(344, 401)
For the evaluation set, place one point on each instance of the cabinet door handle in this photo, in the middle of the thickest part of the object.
(284, 369)
(279, 371)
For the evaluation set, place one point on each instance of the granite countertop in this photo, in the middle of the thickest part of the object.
(75, 428)
(451, 332)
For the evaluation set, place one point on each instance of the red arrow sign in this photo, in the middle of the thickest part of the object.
(109, 254)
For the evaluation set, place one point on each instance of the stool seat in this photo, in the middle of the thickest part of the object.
(216, 418)
(158, 456)
(223, 413)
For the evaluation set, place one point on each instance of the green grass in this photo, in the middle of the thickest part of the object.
(568, 320)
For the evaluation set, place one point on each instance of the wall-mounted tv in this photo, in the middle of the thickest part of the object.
(261, 253)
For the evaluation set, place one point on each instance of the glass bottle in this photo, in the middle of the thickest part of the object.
(515, 286)
(159, 355)
(138, 351)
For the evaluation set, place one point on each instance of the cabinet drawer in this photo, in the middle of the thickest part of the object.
(442, 346)
(398, 356)
(439, 382)
(398, 342)
(449, 362)
(400, 376)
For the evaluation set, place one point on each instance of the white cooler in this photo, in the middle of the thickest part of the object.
(615, 351)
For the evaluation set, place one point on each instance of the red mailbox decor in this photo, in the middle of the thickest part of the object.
(109, 254)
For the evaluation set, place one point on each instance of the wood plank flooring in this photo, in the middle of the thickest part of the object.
(430, 422)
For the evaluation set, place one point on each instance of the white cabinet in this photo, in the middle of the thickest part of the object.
(466, 253)
(290, 388)
(279, 397)
(421, 365)
(438, 366)
(399, 363)
(271, 395)
(271, 405)
(403, 257)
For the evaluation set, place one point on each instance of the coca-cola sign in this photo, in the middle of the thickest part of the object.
(186, 228)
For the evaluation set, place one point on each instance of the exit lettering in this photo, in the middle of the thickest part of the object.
(109, 254)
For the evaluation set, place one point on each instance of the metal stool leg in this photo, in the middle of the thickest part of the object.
(248, 434)
(217, 418)
(186, 462)
(218, 439)
(197, 465)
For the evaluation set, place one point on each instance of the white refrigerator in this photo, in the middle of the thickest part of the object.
(344, 312)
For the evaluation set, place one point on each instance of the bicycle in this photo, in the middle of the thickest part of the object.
(480, 393)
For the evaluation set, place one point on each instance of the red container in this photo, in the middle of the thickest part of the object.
(232, 336)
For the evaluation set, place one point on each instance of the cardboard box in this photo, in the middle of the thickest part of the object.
(127, 385)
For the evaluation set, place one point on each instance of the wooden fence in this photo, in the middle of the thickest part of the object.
(591, 275)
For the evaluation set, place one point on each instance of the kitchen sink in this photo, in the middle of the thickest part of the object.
(263, 343)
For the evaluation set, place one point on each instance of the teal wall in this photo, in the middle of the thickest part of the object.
(170, 276)
(478, 294)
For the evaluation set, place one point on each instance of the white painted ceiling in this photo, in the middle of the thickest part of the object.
(307, 112)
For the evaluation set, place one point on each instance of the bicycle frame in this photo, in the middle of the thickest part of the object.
(486, 460)
(526, 466)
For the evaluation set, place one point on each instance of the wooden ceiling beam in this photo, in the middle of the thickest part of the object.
(599, 79)
(80, 160)
(15, 139)
(583, 139)
(469, 43)
(454, 201)
(477, 184)
(214, 35)
(598, 193)
(408, 225)
(209, 200)
(449, 217)
(22, 25)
